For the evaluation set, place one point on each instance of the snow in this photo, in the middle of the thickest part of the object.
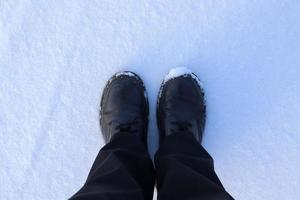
(181, 71)
(125, 73)
(56, 56)
(176, 72)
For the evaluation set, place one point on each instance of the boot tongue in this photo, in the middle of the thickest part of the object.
(122, 113)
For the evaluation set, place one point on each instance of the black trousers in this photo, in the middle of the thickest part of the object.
(124, 170)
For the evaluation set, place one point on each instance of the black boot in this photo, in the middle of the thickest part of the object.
(123, 168)
(181, 106)
(184, 169)
(124, 106)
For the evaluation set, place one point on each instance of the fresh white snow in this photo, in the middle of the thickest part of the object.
(181, 71)
(176, 72)
(56, 56)
(126, 73)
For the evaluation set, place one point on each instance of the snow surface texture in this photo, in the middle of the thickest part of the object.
(56, 56)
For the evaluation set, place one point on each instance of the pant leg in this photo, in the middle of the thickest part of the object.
(122, 170)
(185, 171)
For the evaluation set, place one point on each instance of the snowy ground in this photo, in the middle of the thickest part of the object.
(56, 55)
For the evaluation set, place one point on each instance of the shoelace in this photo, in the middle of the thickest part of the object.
(181, 126)
(127, 127)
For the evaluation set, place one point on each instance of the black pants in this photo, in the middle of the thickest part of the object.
(124, 170)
